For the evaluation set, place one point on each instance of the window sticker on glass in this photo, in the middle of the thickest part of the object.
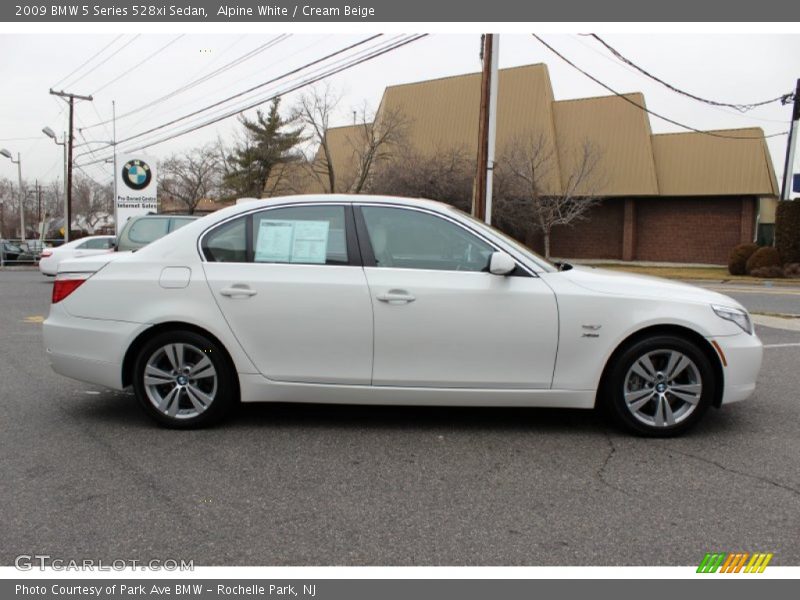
(292, 241)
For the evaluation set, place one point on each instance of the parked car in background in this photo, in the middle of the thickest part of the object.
(33, 247)
(377, 300)
(88, 246)
(140, 231)
(14, 254)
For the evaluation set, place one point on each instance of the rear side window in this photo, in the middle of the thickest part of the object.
(292, 235)
(300, 235)
(227, 243)
(98, 244)
(145, 231)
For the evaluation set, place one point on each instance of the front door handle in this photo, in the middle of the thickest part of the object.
(396, 297)
(238, 291)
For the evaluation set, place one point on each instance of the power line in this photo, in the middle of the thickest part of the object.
(296, 87)
(647, 110)
(739, 107)
(106, 59)
(251, 89)
(87, 61)
(273, 63)
(234, 63)
(326, 69)
(310, 78)
(127, 71)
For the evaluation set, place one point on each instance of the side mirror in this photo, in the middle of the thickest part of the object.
(501, 263)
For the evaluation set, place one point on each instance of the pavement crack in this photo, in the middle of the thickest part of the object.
(722, 467)
(600, 473)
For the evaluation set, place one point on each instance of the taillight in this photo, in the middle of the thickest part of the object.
(46, 253)
(66, 283)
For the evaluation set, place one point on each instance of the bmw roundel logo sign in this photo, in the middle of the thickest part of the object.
(136, 174)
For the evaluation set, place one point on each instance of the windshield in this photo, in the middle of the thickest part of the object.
(542, 262)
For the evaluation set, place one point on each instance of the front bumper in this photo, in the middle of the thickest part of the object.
(743, 354)
(90, 350)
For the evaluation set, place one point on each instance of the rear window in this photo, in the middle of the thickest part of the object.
(178, 223)
(145, 231)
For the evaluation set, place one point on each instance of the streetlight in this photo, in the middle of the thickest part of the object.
(18, 162)
(52, 135)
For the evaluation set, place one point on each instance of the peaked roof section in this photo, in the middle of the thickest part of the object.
(620, 134)
(443, 113)
(694, 164)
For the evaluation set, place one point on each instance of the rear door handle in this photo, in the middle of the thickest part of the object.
(235, 291)
(396, 297)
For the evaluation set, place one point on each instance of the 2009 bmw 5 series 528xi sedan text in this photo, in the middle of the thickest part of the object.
(379, 300)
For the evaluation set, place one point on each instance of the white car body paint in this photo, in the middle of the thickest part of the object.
(317, 333)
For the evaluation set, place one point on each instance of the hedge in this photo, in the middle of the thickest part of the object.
(787, 230)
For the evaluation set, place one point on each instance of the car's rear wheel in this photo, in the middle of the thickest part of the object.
(660, 386)
(183, 380)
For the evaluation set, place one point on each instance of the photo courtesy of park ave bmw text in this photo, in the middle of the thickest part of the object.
(425, 299)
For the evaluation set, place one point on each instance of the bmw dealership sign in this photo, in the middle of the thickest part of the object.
(136, 187)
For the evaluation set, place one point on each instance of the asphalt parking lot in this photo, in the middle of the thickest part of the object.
(86, 475)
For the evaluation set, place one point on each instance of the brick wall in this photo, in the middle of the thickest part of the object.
(600, 236)
(694, 230)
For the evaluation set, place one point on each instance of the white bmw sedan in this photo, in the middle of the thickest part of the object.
(379, 300)
(88, 246)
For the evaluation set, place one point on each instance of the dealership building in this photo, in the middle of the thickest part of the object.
(676, 197)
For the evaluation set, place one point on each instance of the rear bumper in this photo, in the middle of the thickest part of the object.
(743, 354)
(90, 350)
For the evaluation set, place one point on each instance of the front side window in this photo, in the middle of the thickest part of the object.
(294, 235)
(410, 239)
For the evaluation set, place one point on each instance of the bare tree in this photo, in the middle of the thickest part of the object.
(445, 175)
(314, 111)
(373, 140)
(376, 141)
(191, 176)
(91, 200)
(529, 179)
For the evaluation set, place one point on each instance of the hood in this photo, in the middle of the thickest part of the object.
(629, 285)
(89, 264)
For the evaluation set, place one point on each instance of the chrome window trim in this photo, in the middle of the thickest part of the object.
(496, 244)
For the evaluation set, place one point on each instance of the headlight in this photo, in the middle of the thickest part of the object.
(737, 315)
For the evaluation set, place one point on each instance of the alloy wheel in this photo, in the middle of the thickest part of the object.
(662, 388)
(180, 380)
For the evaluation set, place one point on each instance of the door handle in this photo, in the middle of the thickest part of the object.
(238, 291)
(396, 297)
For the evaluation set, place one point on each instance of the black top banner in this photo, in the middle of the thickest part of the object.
(463, 11)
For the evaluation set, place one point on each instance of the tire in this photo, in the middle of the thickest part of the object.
(659, 386)
(199, 383)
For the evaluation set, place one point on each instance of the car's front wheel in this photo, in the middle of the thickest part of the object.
(183, 380)
(660, 386)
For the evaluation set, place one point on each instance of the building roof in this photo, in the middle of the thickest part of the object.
(441, 115)
(620, 133)
(696, 164)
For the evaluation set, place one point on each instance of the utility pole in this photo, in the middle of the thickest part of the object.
(791, 146)
(70, 142)
(114, 140)
(39, 207)
(487, 120)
